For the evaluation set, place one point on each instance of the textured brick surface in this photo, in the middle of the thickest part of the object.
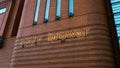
(7, 19)
(93, 51)
(6, 52)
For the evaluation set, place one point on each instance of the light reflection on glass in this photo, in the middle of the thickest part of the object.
(2, 10)
(46, 14)
(70, 7)
(36, 12)
(58, 7)
(116, 12)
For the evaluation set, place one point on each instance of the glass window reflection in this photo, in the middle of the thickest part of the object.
(58, 7)
(70, 7)
(116, 11)
(3, 10)
(46, 14)
(36, 12)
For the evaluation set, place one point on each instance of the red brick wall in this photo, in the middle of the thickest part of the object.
(7, 49)
(93, 51)
(4, 16)
(8, 21)
(6, 52)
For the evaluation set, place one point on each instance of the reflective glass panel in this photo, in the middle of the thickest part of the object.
(70, 7)
(46, 14)
(58, 7)
(2, 10)
(36, 12)
(116, 11)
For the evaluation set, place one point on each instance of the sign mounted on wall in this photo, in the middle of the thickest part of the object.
(62, 35)
(68, 34)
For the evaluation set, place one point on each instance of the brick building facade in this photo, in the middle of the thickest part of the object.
(57, 34)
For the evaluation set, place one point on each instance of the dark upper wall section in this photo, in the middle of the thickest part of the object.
(4, 16)
(9, 19)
